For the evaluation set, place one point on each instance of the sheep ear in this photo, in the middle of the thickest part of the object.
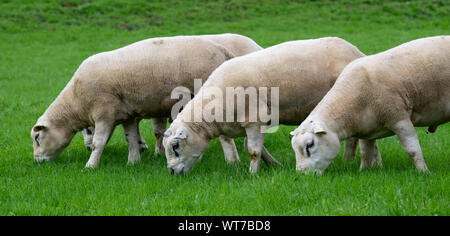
(295, 132)
(318, 129)
(167, 133)
(38, 128)
(181, 134)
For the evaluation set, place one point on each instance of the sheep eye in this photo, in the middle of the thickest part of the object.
(88, 131)
(309, 146)
(36, 139)
(174, 147)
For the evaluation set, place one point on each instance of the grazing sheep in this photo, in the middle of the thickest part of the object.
(238, 45)
(379, 96)
(302, 70)
(118, 86)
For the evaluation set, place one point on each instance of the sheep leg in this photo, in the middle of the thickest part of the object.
(229, 149)
(410, 142)
(369, 154)
(132, 136)
(351, 145)
(103, 131)
(245, 144)
(88, 135)
(255, 144)
(142, 144)
(378, 156)
(159, 127)
(266, 156)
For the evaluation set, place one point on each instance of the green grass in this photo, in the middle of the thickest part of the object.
(43, 42)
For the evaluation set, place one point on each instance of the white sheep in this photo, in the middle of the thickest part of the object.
(118, 86)
(238, 45)
(378, 96)
(303, 71)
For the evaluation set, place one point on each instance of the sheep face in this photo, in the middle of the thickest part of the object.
(183, 148)
(314, 149)
(48, 142)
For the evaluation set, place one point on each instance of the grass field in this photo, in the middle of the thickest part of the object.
(43, 42)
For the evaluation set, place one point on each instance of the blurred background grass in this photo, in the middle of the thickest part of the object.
(137, 15)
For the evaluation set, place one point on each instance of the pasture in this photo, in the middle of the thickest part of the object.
(43, 43)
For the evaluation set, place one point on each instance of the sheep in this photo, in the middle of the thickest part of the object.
(303, 70)
(379, 96)
(238, 45)
(119, 86)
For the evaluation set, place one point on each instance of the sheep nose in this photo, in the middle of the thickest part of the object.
(38, 159)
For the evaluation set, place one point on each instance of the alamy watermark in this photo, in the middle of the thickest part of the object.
(239, 104)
